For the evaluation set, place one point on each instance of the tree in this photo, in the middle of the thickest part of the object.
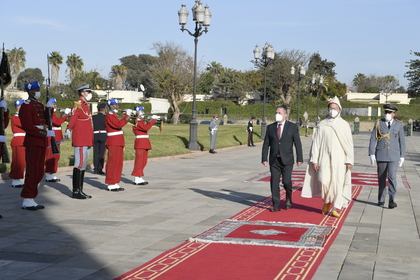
(139, 71)
(82, 78)
(75, 63)
(173, 74)
(413, 75)
(17, 61)
(55, 59)
(118, 74)
(375, 84)
(29, 75)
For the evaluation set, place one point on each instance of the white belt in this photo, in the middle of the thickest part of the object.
(100, 131)
(19, 134)
(114, 133)
(142, 136)
(56, 128)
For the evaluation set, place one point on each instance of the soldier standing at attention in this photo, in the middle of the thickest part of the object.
(32, 115)
(99, 138)
(17, 167)
(51, 160)
(213, 134)
(82, 139)
(115, 145)
(250, 130)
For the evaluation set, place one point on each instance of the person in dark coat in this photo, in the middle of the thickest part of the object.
(99, 139)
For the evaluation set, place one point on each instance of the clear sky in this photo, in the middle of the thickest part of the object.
(360, 36)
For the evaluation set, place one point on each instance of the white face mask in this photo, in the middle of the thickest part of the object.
(89, 97)
(279, 118)
(115, 110)
(333, 113)
(388, 117)
(37, 95)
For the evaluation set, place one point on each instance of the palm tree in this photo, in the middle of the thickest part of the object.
(119, 74)
(55, 59)
(17, 61)
(75, 63)
(215, 69)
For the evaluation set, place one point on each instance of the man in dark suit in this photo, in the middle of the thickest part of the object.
(99, 139)
(280, 137)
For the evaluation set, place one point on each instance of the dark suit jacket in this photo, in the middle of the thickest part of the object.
(290, 136)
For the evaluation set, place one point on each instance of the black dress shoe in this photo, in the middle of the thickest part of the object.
(142, 183)
(380, 203)
(17, 186)
(116, 190)
(392, 205)
(101, 173)
(31, 208)
(39, 206)
(53, 180)
(253, 146)
(288, 204)
(275, 209)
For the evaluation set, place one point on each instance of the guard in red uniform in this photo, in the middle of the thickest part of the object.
(141, 145)
(115, 145)
(17, 167)
(33, 117)
(51, 160)
(82, 139)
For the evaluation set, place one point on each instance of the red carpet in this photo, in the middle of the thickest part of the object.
(254, 244)
(360, 179)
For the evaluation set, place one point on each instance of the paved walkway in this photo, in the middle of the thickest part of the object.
(113, 233)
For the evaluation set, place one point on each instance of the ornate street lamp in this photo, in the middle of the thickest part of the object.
(320, 82)
(267, 57)
(202, 17)
(301, 75)
(108, 90)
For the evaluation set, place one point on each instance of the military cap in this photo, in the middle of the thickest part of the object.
(139, 108)
(33, 85)
(101, 106)
(112, 102)
(18, 102)
(86, 87)
(389, 108)
(53, 100)
(253, 118)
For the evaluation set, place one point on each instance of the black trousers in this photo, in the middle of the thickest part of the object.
(99, 154)
(285, 171)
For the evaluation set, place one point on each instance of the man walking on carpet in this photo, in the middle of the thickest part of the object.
(387, 148)
(280, 138)
(331, 159)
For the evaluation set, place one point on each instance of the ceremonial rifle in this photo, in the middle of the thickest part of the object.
(54, 145)
(5, 80)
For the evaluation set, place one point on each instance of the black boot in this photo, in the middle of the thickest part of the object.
(82, 179)
(288, 199)
(76, 184)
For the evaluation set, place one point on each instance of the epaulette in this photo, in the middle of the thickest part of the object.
(77, 104)
(27, 101)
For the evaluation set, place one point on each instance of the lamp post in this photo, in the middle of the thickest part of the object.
(202, 17)
(301, 74)
(320, 82)
(108, 90)
(266, 59)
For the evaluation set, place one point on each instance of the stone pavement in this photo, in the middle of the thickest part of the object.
(112, 233)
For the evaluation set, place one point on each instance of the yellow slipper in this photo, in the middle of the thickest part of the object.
(326, 208)
(335, 214)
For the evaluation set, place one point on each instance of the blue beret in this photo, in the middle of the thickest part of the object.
(53, 100)
(83, 88)
(112, 101)
(19, 102)
(139, 108)
(33, 85)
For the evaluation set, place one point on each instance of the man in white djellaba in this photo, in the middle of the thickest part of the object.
(331, 159)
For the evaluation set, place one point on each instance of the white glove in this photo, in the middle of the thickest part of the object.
(129, 111)
(50, 133)
(67, 111)
(67, 134)
(4, 105)
(2, 138)
(401, 162)
(250, 129)
(155, 117)
(372, 159)
(49, 104)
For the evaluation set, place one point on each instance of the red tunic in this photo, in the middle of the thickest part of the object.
(141, 128)
(56, 126)
(18, 132)
(17, 167)
(33, 120)
(114, 131)
(51, 160)
(81, 124)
